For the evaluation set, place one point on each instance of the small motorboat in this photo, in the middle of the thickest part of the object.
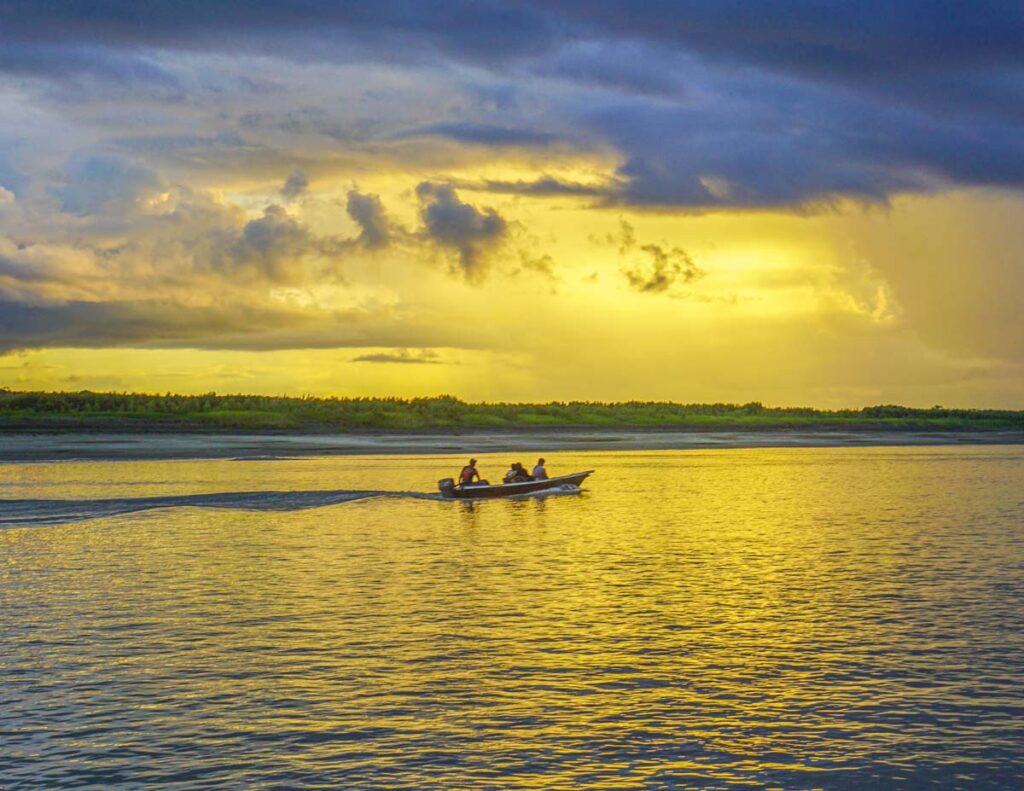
(479, 491)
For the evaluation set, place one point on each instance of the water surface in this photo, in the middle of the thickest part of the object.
(839, 618)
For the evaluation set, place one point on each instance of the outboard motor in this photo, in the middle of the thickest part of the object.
(446, 485)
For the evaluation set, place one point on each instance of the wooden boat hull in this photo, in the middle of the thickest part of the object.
(512, 489)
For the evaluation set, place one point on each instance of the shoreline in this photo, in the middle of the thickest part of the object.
(41, 446)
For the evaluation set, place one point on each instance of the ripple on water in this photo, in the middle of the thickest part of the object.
(798, 618)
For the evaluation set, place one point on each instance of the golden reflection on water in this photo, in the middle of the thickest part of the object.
(798, 618)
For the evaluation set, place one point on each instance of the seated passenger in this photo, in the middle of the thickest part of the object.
(469, 473)
(512, 475)
(539, 473)
(518, 474)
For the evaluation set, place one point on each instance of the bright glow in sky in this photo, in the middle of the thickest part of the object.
(514, 202)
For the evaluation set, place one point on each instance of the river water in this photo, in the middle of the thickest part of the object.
(797, 617)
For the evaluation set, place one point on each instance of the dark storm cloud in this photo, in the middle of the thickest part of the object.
(867, 42)
(706, 103)
(860, 41)
(477, 30)
(483, 134)
(170, 324)
(368, 212)
(138, 323)
(75, 62)
(295, 185)
(546, 185)
(630, 67)
(753, 154)
(791, 146)
(451, 223)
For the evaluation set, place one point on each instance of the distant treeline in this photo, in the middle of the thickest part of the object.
(252, 412)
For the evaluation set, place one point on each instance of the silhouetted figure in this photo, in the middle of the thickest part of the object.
(516, 473)
(469, 473)
(539, 473)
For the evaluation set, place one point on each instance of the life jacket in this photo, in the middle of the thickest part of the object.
(466, 476)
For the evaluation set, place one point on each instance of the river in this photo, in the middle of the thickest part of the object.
(796, 617)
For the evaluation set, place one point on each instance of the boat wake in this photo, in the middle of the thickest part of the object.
(25, 513)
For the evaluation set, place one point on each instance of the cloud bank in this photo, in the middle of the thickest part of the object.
(707, 104)
(458, 226)
(270, 176)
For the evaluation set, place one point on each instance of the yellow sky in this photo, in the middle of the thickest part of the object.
(846, 306)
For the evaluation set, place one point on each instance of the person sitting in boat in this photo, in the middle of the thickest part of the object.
(539, 473)
(469, 473)
(516, 473)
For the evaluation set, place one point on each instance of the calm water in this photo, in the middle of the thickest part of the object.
(797, 617)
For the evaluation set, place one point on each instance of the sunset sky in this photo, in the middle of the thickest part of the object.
(801, 203)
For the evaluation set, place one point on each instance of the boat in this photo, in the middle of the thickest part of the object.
(480, 491)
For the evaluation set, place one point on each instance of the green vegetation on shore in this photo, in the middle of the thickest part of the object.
(131, 411)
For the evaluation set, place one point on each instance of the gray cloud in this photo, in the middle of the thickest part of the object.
(273, 244)
(666, 269)
(170, 267)
(474, 31)
(815, 102)
(745, 150)
(458, 226)
(295, 185)
(132, 232)
(544, 186)
(865, 42)
(173, 324)
(662, 267)
(136, 323)
(830, 38)
(629, 67)
(76, 63)
(368, 212)
(183, 144)
(483, 134)
(401, 356)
